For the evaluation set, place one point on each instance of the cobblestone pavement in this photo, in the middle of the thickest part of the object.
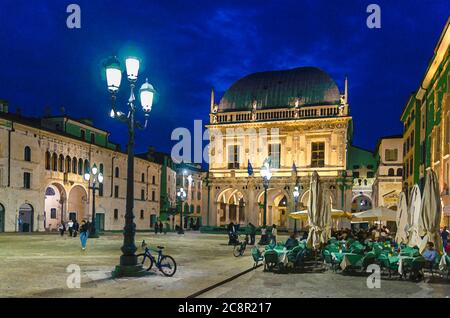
(35, 266)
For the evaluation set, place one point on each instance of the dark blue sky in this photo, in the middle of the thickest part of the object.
(190, 46)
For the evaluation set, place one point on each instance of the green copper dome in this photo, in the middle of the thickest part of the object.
(279, 89)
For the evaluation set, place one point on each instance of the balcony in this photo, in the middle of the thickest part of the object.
(278, 114)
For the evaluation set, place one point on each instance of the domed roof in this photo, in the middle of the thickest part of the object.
(281, 89)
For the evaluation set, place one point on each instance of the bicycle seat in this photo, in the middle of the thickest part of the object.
(160, 247)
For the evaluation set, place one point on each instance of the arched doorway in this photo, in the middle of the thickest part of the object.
(77, 203)
(277, 208)
(2, 218)
(231, 207)
(361, 203)
(26, 218)
(55, 199)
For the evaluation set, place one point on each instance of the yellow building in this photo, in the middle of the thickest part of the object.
(299, 119)
(42, 163)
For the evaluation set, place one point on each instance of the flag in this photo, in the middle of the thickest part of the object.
(249, 168)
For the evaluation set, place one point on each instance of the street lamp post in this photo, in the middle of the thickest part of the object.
(266, 174)
(296, 194)
(96, 177)
(128, 261)
(182, 197)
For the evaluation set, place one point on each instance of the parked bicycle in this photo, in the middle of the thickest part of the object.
(165, 263)
(240, 247)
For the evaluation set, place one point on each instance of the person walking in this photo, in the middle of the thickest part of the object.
(76, 227)
(70, 227)
(62, 228)
(444, 236)
(252, 232)
(274, 234)
(84, 234)
(161, 227)
(156, 227)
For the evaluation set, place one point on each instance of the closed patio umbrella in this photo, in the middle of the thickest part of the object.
(431, 212)
(319, 214)
(415, 202)
(402, 219)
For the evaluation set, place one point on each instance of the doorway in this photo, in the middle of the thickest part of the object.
(99, 222)
(2, 218)
(26, 217)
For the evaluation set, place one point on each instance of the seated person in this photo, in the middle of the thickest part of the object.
(291, 242)
(430, 254)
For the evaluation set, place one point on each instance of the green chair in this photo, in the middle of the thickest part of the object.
(415, 268)
(386, 265)
(270, 260)
(257, 256)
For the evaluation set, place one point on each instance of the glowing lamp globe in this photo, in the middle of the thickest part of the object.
(132, 65)
(147, 93)
(113, 75)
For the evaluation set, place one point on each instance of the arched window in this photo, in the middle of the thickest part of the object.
(54, 162)
(61, 163)
(27, 154)
(117, 172)
(391, 172)
(47, 160)
(198, 209)
(68, 164)
(399, 172)
(86, 166)
(100, 168)
(80, 166)
(153, 180)
(143, 177)
(191, 210)
(74, 165)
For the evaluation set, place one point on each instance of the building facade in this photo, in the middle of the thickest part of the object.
(297, 119)
(389, 175)
(191, 178)
(42, 164)
(426, 120)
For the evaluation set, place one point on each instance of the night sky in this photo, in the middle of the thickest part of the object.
(188, 47)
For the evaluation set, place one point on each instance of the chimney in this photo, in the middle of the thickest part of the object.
(3, 106)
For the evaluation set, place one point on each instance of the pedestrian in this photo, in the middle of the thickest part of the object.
(161, 226)
(191, 223)
(62, 228)
(444, 236)
(252, 232)
(263, 240)
(76, 227)
(84, 234)
(155, 227)
(274, 234)
(70, 227)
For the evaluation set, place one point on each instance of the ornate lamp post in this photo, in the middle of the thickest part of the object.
(296, 194)
(266, 174)
(182, 197)
(128, 261)
(96, 177)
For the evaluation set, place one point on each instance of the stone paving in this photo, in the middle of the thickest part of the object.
(35, 266)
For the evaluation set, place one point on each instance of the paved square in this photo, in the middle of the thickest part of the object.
(35, 266)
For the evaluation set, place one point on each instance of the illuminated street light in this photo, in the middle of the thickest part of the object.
(128, 261)
(96, 177)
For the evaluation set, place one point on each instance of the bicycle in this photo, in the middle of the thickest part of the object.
(240, 247)
(165, 263)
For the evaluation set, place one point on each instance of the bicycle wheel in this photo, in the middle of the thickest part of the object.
(237, 250)
(145, 261)
(168, 266)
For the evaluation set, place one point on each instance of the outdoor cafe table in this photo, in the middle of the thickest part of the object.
(346, 259)
(401, 260)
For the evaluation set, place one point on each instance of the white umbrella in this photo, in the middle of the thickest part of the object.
(415, 202)
(402, 219)
(319, 212)
(376, 214)
(431, 213)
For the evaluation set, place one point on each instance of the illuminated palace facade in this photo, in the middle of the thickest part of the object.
(42, 163)
(298, 119)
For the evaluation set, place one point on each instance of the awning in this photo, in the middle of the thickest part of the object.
(377, 214)
(335, 214)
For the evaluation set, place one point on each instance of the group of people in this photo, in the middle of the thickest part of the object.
(374, 233)
(268, 235)
(159, 226)
(73, 228)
